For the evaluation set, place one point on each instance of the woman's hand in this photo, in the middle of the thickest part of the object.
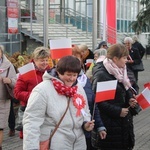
(6, 80)
(132, 102)
(102, 134)
(124, 112)
(88, 126)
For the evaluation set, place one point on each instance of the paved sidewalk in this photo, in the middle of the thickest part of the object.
(141, 121)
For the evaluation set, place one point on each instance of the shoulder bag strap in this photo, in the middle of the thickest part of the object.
(60, 120)
(7, 72)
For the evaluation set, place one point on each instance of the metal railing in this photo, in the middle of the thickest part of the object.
(11, 42)
(76, 19)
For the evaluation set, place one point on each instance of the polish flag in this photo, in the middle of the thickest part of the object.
(27, 71)
(144, 98)
(105, 90)
(60, 48)
(88, 62)
(147, 85)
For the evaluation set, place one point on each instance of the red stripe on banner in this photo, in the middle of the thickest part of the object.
(111, 21)
(105, 95)
(29, 74)
(59, 53)
(142, 101)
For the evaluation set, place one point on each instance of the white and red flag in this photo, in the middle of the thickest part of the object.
(144, 98)
(105, 90)
(147, 85)
(28, 71)
(60, 48)
(89, 62)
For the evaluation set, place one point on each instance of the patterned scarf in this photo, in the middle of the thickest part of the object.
(64, 90)
(119, 73)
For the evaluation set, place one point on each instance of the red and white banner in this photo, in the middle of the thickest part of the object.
(28, 71)
(12, 3)
(12, 25)
(105, 90)
(60, 48)
(144, 98)
(13, 15)
(12, 12)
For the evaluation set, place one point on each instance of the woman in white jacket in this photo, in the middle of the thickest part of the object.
(7, 76)
(47, 103)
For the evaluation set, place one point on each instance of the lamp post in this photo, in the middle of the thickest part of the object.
(94, 32)
(45, 22)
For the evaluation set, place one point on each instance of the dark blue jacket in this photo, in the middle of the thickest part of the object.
(91, 98)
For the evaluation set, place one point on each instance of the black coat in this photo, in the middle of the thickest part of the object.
(120, 134)
(140, 47)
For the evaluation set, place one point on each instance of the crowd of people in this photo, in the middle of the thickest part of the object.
(57, 105)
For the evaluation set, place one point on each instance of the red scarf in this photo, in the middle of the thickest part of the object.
(64, 90)
(78, 100)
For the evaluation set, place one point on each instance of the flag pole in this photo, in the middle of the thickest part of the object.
(93, 110)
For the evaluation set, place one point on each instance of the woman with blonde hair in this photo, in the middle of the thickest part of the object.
(23, 88)
(7, 76)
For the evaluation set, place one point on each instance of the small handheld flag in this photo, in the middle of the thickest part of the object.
(106, 90)
(60, 48)
(27, 71)
(144, 98)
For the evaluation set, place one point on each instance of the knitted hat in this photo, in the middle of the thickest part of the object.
(101, 44)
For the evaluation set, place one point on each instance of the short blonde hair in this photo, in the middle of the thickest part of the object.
(41, 52)
(2, 48)
(83, 47)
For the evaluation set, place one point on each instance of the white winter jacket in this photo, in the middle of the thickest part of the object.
(44, 109)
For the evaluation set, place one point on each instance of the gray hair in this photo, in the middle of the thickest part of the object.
(135, 38)
(101, 52)
(128, 39)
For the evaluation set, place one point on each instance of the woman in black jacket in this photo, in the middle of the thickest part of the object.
(115, 113)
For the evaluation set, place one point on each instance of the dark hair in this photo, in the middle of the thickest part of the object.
(118, 50)
(102, 43)
(68, 63)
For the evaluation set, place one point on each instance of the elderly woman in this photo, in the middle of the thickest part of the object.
(99, 55)
(58, 93)
(24, 87)
(7, 76)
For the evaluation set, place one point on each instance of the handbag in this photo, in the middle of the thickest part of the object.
(8, 87)
(95, 139)
(135, 111)
(138, 67)
(45, 145)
